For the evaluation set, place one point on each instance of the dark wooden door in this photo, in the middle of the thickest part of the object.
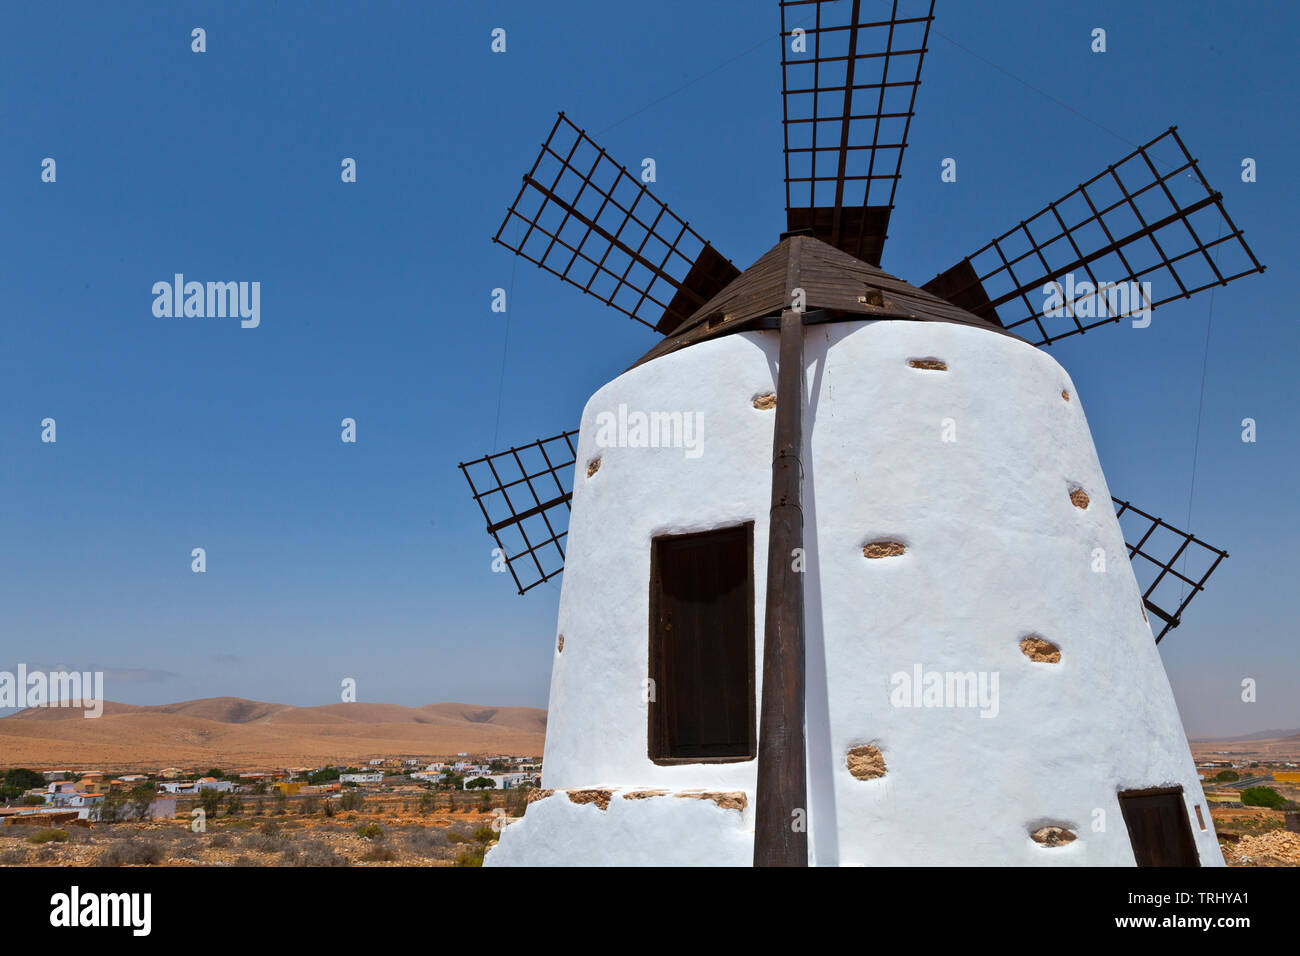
(1158, 827)
(702, 646)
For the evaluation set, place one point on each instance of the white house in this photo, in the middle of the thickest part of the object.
(76, 799)
(361, 778)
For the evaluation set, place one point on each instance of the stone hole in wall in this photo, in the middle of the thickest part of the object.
(866, 762)
(559, 644)
(600, 798)
(765, 402)
(1039, 649)
(883, 549)
(1079, 498)
(1053, 836)
(929, 364)
(593, 466)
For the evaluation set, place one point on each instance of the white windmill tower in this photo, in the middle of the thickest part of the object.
(927, 603)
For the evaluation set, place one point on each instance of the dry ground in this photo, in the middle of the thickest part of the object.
(435, 840)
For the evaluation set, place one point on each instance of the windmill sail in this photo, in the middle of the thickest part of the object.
(581, 216)
(1172, 566)
(524, 495)
(1131, 238)
(849, 82)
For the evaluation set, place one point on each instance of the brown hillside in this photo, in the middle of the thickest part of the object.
(237, 733)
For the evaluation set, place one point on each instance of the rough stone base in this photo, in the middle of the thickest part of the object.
(635, 826)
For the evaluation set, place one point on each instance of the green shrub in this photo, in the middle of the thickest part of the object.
(370, 831)
(14, 782)
(471, 856)
(1227, 776)
(210, 800)
(20, 778)
(1263, 797)
(49, 836)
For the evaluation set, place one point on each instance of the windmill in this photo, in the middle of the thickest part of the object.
(850, 79)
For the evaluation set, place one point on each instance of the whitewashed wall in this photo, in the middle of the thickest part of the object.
(996, 551)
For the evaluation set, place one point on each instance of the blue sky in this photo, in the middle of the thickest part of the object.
(328, 560)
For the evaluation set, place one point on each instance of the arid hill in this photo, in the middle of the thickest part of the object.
(1253, 747)
(234, 733)
(1261, 735)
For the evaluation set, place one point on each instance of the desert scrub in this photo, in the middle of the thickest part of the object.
(379, 853)
(15, 857)
(458, 835)
(370, 831)
(269, 838)
(424, 842)
(471, 856)
(132, 853)
(311, 853)
(49, 836)
(184, 848)
(264, 843)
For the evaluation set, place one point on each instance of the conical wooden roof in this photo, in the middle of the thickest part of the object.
(833, 281)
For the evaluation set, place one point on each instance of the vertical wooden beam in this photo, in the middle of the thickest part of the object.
(782, 796)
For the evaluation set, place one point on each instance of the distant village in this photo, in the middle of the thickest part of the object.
(66, 795)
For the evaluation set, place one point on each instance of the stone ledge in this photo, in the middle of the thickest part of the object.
(601, 796)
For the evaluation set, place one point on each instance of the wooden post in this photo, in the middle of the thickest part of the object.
(781, 806)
